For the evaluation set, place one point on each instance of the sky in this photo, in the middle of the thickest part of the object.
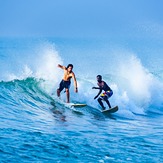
(81, 18)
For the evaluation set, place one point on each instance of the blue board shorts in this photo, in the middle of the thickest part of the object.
(106, 94)
(64, 84)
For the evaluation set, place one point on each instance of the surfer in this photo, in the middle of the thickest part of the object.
(104, 96)
(66, 81)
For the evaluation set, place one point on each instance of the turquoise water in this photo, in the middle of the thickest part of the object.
(36, 127)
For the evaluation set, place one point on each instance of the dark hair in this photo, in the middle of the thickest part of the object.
(69, 65)
(99, 76)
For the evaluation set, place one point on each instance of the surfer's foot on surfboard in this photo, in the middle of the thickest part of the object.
(103, 108)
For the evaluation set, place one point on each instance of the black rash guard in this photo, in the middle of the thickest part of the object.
(104, 86)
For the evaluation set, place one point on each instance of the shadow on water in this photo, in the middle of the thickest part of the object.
(58, 113)
(110, 116)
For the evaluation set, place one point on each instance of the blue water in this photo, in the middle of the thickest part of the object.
(36, 127)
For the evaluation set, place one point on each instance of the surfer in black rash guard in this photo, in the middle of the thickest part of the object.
(104, 96)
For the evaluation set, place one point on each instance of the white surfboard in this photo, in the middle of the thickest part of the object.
(77, 105)
(111, 110)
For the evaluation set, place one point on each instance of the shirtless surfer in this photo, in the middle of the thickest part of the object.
(66, 81)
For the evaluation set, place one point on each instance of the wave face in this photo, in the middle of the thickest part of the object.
(37, 126)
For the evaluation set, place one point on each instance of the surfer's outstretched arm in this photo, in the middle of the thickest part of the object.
(62, 67)
(96, 88)
(98, 94)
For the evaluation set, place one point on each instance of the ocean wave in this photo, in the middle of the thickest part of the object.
(36, 77)
(26, 92)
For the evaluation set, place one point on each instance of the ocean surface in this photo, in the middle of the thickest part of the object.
(36, 126)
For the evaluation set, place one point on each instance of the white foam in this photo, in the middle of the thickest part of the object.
(139, 80)
(41, 65)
